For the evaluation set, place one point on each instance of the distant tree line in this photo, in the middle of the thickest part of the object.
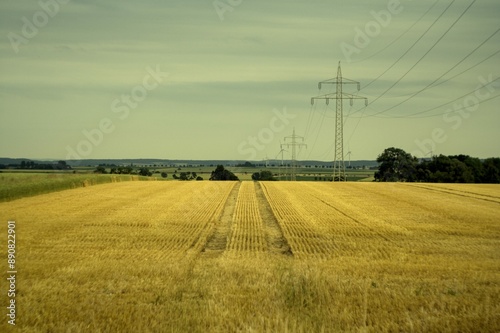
(263, 175)
(245, 165)
(31, 165)
(143, 171)
(397, 165)
(121, 170)
(186, 176)
(124, 170)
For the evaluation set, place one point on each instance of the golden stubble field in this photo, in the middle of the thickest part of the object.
(257, 257)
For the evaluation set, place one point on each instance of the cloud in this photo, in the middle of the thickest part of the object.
(227, 76)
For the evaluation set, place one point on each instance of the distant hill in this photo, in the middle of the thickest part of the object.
(7, 161)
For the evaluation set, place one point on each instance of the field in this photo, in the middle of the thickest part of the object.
(257, 257)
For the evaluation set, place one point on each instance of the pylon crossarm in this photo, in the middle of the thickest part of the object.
(328, 97)
(334, 96)
(341, 81)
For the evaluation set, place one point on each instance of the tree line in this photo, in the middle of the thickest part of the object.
(397, 165)
(220, 173)
(32, 165)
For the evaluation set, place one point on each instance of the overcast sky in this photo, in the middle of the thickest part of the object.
(230, 79)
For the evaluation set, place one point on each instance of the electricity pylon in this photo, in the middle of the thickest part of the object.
(349, 153)
(294, 143)
(339, 95)
(281, 166)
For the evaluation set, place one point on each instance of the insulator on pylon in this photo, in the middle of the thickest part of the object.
(351, 101)
(359, 86)
(366, 102)
(312, 101)
(327, 101)
(319, 86)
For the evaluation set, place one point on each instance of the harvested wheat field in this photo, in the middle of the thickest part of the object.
(257, 257)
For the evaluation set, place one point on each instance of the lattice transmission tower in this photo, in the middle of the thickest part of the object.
(339, 96)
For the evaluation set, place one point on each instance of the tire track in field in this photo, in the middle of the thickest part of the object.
(471, 195)
(276, 241)
(358, 222)
(217, 241)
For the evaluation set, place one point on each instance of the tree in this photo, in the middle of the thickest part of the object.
(184, 176)
(474, 165)
(61, 165)
(145, 172)
(164, 175)
(491, 168)
(222, 174)
(396, 165)
(100, 169)
(199, 178)
(448, 169)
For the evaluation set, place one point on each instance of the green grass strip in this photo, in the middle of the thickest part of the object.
(19, 185)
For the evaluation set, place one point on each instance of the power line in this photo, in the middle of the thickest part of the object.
(440, 106)
(398, 38)
(437, 84)
(468, 69)
(444, 104)
(428, 51)
(413, 45)
(317, 132)
(437, 79)
(455, 110)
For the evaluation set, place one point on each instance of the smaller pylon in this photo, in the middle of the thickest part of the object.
(294, 144)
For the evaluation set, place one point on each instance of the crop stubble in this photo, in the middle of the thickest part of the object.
(432, 250)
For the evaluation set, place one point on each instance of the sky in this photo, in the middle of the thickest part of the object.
(233, 79)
